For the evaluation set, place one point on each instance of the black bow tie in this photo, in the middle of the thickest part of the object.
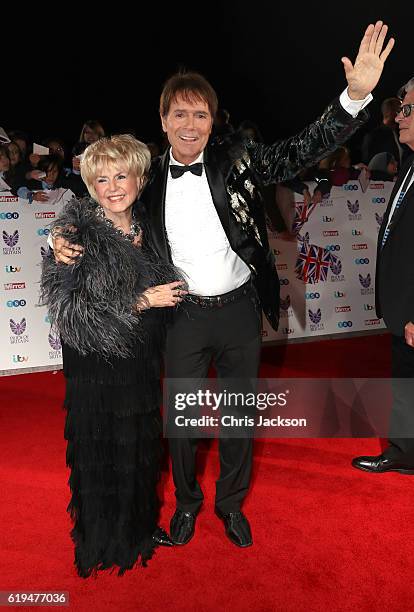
(177, 171)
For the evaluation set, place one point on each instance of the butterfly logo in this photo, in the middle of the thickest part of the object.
(379, 218)
(315, 317)
(54, 342)
(353, 207)
(365, 282)
(18, 328)
(285, 303)
(336, 266)
(11, 239)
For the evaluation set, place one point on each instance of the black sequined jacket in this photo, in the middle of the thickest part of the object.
(236, 170)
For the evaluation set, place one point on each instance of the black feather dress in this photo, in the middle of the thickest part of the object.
(111, 361)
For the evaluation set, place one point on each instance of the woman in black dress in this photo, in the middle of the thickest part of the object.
(109, 308)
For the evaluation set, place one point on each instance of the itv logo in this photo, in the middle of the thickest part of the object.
(20, 358)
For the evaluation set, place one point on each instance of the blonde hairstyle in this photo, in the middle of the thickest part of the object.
(93, 125)
(115, 150)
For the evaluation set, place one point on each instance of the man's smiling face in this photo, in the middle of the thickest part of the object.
(188, 125)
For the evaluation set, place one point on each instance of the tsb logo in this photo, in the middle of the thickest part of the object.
(351, 187)
(356, 232)
(378, 200)
(368, 307)
(343, 324)
(333, 247)
(339, 294)
(362, 261)
(15, 303)
(284, 281)
(327, 219)
(9, 215)
(312, 296)
(43, 231)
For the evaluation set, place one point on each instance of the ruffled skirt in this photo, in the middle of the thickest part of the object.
(113, 451)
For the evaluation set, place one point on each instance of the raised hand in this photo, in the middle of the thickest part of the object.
(365, 73)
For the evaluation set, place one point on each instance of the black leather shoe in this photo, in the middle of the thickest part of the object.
(381, 464)
(161, 537)
(182, 527)
(237, 528)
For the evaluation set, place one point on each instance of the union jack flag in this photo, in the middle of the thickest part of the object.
(302, 213)
(313, 262)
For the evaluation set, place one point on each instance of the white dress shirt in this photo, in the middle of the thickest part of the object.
(353, 106)
(198, 242)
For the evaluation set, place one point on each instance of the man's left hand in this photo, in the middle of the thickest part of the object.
(364, 75)
(409, 333)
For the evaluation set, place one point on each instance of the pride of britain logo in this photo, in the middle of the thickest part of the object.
(18, 328)
(315, 319)
(336, 269)
(353, 208)
(56, 346)
(11, 240)
(285, 307)
(365, 282)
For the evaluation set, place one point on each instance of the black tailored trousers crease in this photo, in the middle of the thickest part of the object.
(230, 338)
(402, 412)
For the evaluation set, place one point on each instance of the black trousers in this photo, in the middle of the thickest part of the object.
(230, 337)
(402, 412)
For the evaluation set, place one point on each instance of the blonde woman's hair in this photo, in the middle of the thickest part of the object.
(93, 125)
(121, 149)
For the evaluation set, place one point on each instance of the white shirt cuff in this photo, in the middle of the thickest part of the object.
(353, 106)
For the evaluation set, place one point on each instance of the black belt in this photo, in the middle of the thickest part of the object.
(216, 301)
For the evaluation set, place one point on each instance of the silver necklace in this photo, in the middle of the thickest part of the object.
(134, 229)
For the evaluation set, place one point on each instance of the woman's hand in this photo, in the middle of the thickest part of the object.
(163, 296)
(64, 251)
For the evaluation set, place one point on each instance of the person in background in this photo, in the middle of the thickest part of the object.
(222, 126)
(384, 138)
(394, 298)
(383, 167)
(5, 168)
(49, 175)
(23, 141)
(338, 169)
(91, 131)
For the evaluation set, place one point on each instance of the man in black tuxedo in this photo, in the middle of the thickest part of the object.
(395, 302)
(205, 208)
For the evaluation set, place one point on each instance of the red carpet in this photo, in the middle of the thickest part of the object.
(327, 537)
